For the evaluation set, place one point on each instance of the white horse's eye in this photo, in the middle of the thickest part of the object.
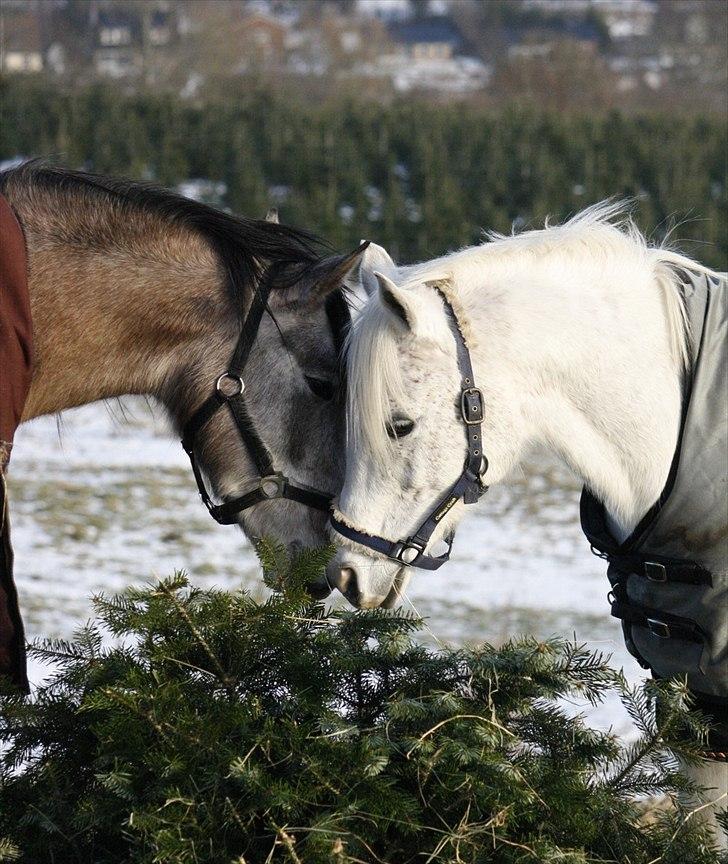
(399, 427)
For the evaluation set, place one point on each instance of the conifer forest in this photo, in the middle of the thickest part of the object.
(415, 177)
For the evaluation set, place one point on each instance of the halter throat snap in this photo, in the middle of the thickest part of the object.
(468, 488)
(229, 390)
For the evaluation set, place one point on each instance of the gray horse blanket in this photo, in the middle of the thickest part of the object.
(670, 577)
(16, 365)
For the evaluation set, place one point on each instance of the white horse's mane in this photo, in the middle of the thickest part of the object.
(600, 235)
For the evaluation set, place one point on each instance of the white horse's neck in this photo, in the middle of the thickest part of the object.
(586, 345)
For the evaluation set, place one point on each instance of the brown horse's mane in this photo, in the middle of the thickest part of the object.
(246, 248)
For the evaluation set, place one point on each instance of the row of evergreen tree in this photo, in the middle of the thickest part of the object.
(418, 178)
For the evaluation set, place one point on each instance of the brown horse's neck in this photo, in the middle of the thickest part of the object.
(117, 320)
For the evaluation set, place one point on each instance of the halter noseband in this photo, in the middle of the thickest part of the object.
(229, 390)
(469, 486)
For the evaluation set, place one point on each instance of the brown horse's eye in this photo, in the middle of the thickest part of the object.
(400, 427)
(320, 387)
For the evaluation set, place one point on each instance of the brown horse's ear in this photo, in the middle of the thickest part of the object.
(331, 273)
(272, 215)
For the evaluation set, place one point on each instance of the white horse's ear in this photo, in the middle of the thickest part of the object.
(396, 301)
(375, 259)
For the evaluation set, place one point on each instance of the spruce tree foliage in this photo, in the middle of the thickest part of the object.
(417, 178)
(216, 728)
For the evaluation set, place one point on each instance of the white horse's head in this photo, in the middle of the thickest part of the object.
(406, 436)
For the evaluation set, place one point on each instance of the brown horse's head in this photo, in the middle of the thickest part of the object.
(135, 289)
(294, 388)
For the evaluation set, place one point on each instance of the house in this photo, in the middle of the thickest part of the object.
(116, 28)
(117, 43)
(21, 45)
(128, 39)
(538, 39)
(159, 28)
(428, 53)
(432, 38)
(624, 19)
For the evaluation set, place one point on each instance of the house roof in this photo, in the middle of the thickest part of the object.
(117, 18)
(582, 29)
(433, 29)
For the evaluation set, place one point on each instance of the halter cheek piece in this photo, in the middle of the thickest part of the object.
(230, 390)
(469, 486)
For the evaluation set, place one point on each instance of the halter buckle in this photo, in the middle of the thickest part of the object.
(471, 406)
(655, 572)
(273, 485)
(226, 377)
(402, 551)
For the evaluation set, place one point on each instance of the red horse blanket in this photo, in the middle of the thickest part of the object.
(16, 363)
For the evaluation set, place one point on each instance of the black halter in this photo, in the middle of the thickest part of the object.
(469, 486)
(229, 390)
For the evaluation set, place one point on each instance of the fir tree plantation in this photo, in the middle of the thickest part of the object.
(220, 729)
(417, 178)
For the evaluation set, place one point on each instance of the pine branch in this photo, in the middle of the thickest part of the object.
(337, 739)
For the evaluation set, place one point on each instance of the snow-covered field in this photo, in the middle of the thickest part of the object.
(110, 501)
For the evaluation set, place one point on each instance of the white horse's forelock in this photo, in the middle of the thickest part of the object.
(374, 376)
(604, 232)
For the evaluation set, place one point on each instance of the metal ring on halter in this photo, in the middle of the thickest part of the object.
(228, 376)
(273, 485)
(402, 552)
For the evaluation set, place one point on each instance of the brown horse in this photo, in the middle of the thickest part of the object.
(136, 290)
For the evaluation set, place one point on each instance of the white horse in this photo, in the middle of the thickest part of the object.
(578, 340)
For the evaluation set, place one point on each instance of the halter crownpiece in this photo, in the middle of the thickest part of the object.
(469, 486)
(229, 390)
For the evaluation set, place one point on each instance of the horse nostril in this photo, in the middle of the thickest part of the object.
(348, 584)
(347, 578)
